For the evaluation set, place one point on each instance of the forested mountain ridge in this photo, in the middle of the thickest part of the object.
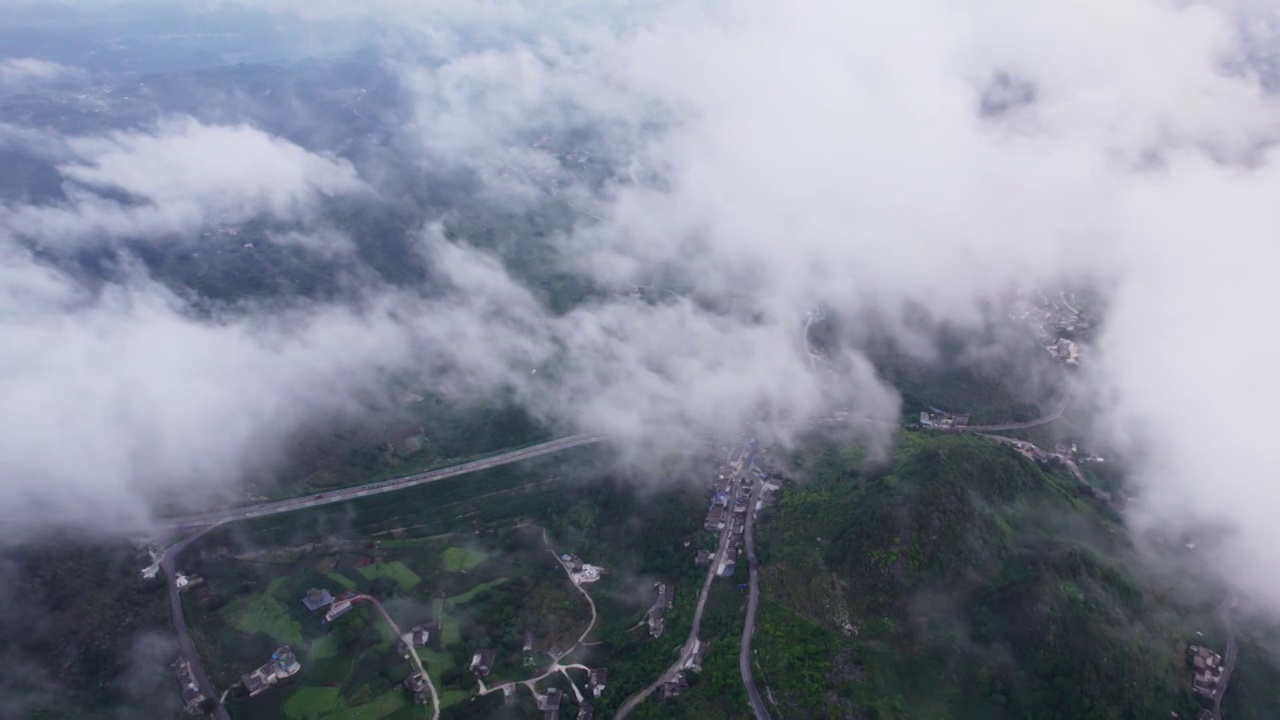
(959, 580)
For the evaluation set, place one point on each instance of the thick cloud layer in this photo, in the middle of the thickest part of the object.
(940, 153)
(768, 158)
(173, 179)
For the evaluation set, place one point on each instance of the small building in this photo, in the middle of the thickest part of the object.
(418, 636)
(657, 614)
(704, 558)
(317, 598)
(282, 664)
(482, 662)
(549, 704)
(341, 606)
(416, 684)
(715, 519)
(598, 678)
(674, 687)
(184, 582)
(586, 711)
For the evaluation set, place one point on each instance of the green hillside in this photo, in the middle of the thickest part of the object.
(973, 585)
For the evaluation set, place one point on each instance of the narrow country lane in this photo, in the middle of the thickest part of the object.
(185, 643)
(749, 625)
(413, 652)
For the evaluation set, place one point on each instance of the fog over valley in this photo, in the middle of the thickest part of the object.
(229, 266)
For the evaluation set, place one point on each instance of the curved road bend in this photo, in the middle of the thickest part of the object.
(336, 496)
(749, 625)
(185, 643)
(413, 652)
(1054, 414)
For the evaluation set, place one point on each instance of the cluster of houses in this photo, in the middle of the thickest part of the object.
(1054, 322)
(730, 503)
(282, 664)
(317, 598)
(192, 697)
(1206, 669)
(580, 572)
(935, 418)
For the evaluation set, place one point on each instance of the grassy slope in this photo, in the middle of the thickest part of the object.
(979, 586)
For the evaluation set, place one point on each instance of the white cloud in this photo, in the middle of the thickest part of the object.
(33, 71)
(174, 178)
(835, 153)
(774, 156)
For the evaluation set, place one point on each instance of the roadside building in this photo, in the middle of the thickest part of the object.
(1206, 668)
(416, 684)
(549, 704)
(192, 697)
(341, 606)
(715, 519)
(674, 687)
(657, 614)
(704, 558)
(482, 662)
(283, 664)
(184, 582)
(598, 678)
(316, 598)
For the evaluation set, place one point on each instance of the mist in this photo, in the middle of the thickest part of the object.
(763, 160)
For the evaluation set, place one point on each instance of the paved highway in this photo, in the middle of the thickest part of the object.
(749, 626)
(400, 483)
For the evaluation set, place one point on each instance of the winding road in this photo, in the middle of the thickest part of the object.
(556, 667)
(330, 497)
(185, 643)
(413, 651)
(1059, 408)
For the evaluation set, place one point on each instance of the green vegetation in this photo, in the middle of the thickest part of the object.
(394, 570)
(315, 703)
(311, 703)
(461, 559)
(263, 614)
(342, 580)
(974, 585)
(471, 594)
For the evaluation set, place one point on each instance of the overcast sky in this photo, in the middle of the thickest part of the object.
(774, 156)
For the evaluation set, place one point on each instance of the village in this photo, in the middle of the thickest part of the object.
(1055, 323)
